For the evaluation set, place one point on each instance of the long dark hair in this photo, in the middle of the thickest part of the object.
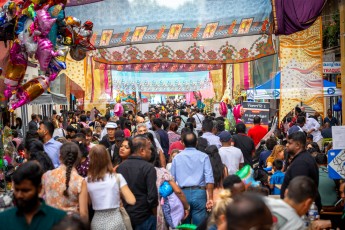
(19, 126)
(36, 152)
(216, 163)
(70, 155)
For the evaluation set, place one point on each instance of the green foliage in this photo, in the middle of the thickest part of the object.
(331, 33)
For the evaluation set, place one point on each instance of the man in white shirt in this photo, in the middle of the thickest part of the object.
(207, 127)
(312, 127)
(199, 118)
(299, 196)
(231, 156)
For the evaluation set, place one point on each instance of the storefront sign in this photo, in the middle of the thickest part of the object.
(339, 81)
(253, 109)
(331, 67)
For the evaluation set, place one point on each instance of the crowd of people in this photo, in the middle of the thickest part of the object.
(170, 166)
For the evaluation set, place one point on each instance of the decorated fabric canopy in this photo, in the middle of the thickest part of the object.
(271, 89)
(183, 31)
(160, 82)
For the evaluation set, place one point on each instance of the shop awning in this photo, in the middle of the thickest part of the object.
(50, 99)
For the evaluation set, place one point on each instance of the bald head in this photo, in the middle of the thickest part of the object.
(139, 119)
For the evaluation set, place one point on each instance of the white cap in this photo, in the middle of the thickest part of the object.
(111, 125)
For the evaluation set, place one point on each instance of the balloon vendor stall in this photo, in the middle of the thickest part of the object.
(42, 36)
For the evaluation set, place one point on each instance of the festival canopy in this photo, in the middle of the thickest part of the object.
(271, 89)
(183, 31)
(160, 82)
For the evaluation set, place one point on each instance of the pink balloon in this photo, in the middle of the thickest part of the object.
(223, 109)
(44, 21)
(237, 111)
(17, 55)
(44, 53)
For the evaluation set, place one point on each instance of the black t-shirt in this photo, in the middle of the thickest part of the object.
(105, 141)
(246, 145)
(302, 164)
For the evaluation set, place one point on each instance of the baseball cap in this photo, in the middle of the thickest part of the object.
(111, 125)
(224, 136)
(119, 135)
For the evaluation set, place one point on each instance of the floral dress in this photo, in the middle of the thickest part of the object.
(54, 184)
(162, 175)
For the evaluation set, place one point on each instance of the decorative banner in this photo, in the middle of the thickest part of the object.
(294, 15)
(75, 71)
(160, 82)
(121, 23)
(228, 88)
(217, 81)
(160, 67)
(301, 73)
(184, 32)
(253, 109)
(241, 75)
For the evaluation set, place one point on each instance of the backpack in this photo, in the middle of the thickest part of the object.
(172, 207)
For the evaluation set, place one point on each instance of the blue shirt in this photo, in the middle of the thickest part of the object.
(277, 179)
(192, 167)
(212, 139)
(52, 148)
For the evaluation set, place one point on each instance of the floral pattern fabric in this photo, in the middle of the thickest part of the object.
(54, 184)
(83, 167)
(173, 137)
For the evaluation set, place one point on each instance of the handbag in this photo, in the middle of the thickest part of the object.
(125, 217)
(172, 206)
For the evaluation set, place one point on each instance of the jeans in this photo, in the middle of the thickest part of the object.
(149, 224)
(197, 201)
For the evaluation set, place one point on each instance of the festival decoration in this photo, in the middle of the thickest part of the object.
(223, 109)
(42, 33)
(238, 112)
(246, 174)
(118, 108)
(338, 107)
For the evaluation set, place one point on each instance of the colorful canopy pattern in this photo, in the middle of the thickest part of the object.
(183, 31)
(160, 82)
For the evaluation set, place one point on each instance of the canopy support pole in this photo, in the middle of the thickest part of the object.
(342, 52)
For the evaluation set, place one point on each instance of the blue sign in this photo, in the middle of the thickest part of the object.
(336, 164)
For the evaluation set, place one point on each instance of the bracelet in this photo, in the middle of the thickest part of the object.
(188, 209)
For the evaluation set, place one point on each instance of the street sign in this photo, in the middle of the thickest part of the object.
(252, 109)
(331, 67)
(336, 164)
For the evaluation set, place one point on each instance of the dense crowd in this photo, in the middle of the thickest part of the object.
(172, 166)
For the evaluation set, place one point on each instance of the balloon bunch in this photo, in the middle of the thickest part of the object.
(42, 33)
(337, 107)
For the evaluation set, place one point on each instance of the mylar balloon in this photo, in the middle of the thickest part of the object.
(28, 92)
(336, 107)
(43, 21)
(44, 53)
(246, 174)
(165, 189)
